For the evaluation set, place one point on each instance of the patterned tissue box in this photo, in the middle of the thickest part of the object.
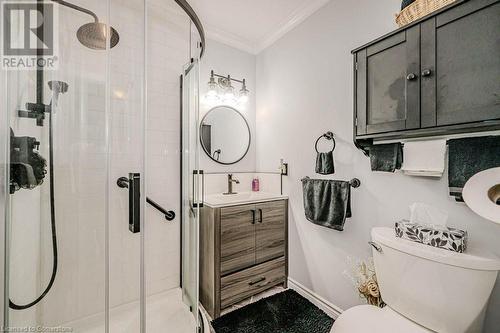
(442, 237)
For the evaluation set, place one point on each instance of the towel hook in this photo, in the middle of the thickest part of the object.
(329, 136)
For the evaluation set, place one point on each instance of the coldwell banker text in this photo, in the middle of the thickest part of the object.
(29, 38)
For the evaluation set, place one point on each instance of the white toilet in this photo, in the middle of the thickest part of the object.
(426, 289)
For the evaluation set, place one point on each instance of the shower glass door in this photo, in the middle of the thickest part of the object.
(127, 161)
(191, 185)
(74, 256)
(83, 144)
(57, 221)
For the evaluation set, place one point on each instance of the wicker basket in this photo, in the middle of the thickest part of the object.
(419, 9)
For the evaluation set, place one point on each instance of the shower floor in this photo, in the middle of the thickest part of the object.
(165, 312)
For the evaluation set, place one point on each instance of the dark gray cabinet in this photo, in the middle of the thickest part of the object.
(388, 86)
(461, 57)
(440, 75)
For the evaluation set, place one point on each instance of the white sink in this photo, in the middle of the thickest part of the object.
(219, 200)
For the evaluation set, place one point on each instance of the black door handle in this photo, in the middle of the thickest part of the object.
(133, 183)
(260, 215)
(253, 216)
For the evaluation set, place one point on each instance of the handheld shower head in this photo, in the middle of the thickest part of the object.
(57, 88)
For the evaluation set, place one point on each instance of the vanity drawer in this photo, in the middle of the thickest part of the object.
(241, 285)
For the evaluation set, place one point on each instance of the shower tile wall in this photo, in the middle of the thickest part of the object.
(80, 171)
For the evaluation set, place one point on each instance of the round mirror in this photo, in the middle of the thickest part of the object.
(225, 135)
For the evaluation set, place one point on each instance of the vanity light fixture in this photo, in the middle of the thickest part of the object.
(223, 90)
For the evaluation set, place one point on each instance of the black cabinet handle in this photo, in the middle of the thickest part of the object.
(133, 183)
(411, 76)
(260, 215)
(253, 216)
(257, 281)
(426, 72)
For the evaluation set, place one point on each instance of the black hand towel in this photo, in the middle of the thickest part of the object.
(324, 163)
(327, 202)
(387, 158)
(468, 156)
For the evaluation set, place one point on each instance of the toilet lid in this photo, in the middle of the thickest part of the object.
(369, 318)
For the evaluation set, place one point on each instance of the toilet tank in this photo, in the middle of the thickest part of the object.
(441, 290)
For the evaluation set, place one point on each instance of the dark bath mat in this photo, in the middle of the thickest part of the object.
(286, 312)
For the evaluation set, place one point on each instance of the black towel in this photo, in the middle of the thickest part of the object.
(387, 158)
(327, 202)
(468, 156)
(324, 163)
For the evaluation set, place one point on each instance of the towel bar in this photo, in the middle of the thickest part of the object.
(355, 182)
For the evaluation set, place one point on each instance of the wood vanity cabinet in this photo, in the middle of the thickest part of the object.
(243, 251)
(439, 75)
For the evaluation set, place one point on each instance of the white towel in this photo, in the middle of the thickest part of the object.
(424, 158)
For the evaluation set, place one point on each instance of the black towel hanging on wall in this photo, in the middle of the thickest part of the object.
(324, 160)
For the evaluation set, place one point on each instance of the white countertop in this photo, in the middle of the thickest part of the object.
(221, 200)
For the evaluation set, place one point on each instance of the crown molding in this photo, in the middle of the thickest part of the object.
(297, 17)
(254, 47)
(230, 39)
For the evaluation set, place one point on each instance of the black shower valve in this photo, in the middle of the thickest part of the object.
(35, 111)
(38, 107)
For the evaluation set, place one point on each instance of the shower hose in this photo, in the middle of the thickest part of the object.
(53, 227)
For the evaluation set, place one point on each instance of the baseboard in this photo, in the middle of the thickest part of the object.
(331, 309)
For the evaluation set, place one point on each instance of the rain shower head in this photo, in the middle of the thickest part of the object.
(94, 35)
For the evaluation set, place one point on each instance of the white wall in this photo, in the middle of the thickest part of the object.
(305, 88)
(226, 60)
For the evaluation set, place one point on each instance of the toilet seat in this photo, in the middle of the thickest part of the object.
(369, 318)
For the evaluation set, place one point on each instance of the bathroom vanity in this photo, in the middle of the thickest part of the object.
(243, 247)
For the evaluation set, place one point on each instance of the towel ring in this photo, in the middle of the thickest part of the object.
(328, 136)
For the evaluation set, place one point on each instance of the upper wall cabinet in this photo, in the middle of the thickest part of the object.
(439, 75)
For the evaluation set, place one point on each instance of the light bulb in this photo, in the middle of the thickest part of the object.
(244, 92)
(212, 95)
(229, 97)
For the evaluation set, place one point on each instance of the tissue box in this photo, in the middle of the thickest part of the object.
(442, 237)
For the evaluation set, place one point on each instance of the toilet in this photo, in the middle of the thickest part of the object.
(426, 289)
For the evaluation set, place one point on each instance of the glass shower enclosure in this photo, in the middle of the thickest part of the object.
(99, 179)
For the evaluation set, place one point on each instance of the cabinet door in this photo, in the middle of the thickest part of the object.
(388, 84)
(461, 65)
(237, 238)
(270, 230)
